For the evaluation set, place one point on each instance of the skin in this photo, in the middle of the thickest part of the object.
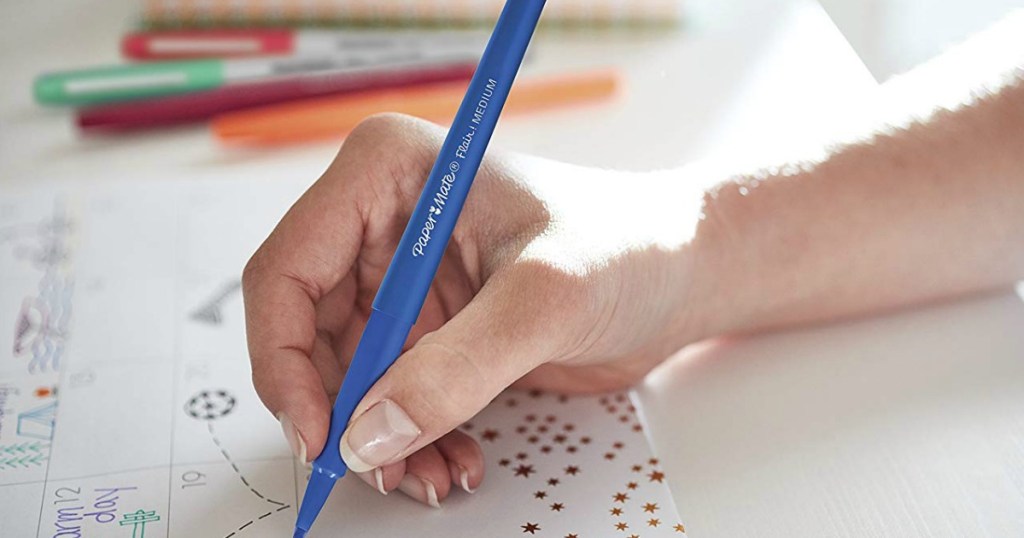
(921, 200)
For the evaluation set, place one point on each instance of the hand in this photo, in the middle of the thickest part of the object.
(557, 277)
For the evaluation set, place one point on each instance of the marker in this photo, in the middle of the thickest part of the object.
(183, 44)
(136, 81)
(203, 105)
(335, 116)
(404, 288)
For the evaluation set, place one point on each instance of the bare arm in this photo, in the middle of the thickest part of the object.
(923, 201)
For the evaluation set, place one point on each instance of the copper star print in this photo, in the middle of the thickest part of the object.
(559, 438)
(511, 402)
(568, 427)
(562, 398)
(656, 476)
(542, 428)
(557, 507)
(609, 456)
(571, 449)
(524, 471)
(638, 428)
(545, 449)
(637, 468)
(489, 435)
(572, 470)
(679, 528)
(532, 439)
(530, 418)
(623, 418)
(535, 393)
(620, 497)
(620, 397)
(570, 535)
(633, 536)
(631, 485)
(653, 461)
(531, 528)
(540, 494)
(553, 481)
(584, 440)
(618, 445)
(521, 429)
(621, 526)
(521, 456)
(653, 522)
(504, 462)
(616, 511)
(650, 507)
(550, 418)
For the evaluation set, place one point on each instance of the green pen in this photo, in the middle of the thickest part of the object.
(142, 80)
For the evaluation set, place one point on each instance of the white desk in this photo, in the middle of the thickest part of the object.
(901, 426)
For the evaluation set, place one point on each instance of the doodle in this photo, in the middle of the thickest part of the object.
(20, 455)
(210, 405)
(38, 422)
(210, 311)
(138, 520)
(41, 327)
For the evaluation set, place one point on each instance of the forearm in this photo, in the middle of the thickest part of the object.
(925, 204)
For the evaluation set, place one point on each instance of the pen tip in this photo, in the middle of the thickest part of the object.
(299, 533)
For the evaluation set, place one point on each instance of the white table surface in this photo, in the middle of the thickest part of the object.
(906, 425)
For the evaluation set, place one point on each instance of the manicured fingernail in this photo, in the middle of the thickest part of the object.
(461, 475)
(419, 489)
(295, 441)
(377, 436)
(375, 479)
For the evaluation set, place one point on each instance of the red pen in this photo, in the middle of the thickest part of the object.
(200, 106)
(177, 45)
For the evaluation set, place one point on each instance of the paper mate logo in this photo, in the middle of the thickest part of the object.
(436, 208)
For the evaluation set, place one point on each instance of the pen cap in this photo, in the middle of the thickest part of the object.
(132, 81)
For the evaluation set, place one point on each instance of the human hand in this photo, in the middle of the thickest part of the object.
(557, 277)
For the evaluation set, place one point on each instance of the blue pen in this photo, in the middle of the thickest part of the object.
(401, 294)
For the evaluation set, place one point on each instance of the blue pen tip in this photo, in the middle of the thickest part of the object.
(317, 490)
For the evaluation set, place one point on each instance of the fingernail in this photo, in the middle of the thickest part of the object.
(375, 479)
(295, 441)
(462, 474)
(377, 436)
(419, 489)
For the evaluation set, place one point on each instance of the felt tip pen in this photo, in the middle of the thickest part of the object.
(412, 269)
(154, 79)
(236, 42)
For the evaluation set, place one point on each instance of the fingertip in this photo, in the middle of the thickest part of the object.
(464, 458)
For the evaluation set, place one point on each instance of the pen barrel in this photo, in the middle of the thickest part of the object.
(379, 346)
(423, 243)
(133, 81)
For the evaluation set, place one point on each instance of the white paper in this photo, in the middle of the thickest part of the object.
(128, 411)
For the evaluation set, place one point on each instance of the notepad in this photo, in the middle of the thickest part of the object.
(169, 13)
(126, 406)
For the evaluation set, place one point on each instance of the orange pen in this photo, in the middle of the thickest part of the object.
(336, 116)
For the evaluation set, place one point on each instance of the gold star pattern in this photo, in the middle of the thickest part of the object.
(540, 494)
(609, 455)
(531, 528)
(653, 461)
(638, 428)
(572, 470)
(553, 481)
(650, 507)
(584, 440)
(521, 456)
(621, 526)
(571, 449)
(637, 468)
(616, 511)
(504, 462)
(568, 427)
(557, 507)
(545, 449)
(656, 476)
(532, 439)
(618, 445)
(559, 438)
(679, 528)
(490, 435)
(631, 485)
(524, 470)
(620, 497)
(653, 522)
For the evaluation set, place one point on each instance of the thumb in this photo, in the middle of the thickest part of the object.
(451, 374)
